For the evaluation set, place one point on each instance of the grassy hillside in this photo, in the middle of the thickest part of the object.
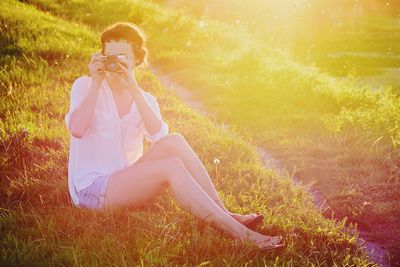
(41, 55)
(341, 138)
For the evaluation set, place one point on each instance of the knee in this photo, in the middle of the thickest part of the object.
(174, 141)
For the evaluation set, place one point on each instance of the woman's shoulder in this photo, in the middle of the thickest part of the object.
(81, 83)
(83, 79)
(79, 86)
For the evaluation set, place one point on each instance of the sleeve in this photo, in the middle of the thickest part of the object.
(164, 130)
(80, 89)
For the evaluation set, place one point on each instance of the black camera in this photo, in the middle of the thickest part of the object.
(111, 62)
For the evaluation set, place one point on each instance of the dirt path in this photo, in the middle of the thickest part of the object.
(377, 254)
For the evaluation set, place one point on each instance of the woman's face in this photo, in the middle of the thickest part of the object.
(117, 48)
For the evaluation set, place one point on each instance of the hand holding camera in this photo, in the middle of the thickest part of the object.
(97, 68)
(120, 65)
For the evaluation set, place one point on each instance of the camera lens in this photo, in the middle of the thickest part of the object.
(112, 66)
(111, 63)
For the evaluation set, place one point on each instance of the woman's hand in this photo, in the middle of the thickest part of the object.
(96, 68)
(127, 74)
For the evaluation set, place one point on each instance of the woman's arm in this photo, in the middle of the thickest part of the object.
(84, 98)
(152, 122)
(81, 117)
(150, 117)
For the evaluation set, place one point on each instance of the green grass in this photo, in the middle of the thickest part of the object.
(39, 225)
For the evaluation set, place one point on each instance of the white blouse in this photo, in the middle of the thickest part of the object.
(110, 143)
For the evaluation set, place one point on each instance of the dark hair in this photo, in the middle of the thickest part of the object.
(130, 32)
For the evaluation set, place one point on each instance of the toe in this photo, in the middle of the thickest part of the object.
(266, 243)
(275, 239)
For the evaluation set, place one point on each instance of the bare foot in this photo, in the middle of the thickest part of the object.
(267, 244)
(262, 241)
(266, 238)
(243, 218)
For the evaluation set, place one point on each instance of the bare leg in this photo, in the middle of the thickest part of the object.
(175, 145)
(141, 181)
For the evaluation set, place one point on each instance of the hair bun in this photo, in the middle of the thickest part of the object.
(141, 55)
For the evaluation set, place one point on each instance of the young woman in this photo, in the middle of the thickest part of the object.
(108, 118)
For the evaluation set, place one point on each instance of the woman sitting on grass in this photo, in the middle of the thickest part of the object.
(108, 117)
